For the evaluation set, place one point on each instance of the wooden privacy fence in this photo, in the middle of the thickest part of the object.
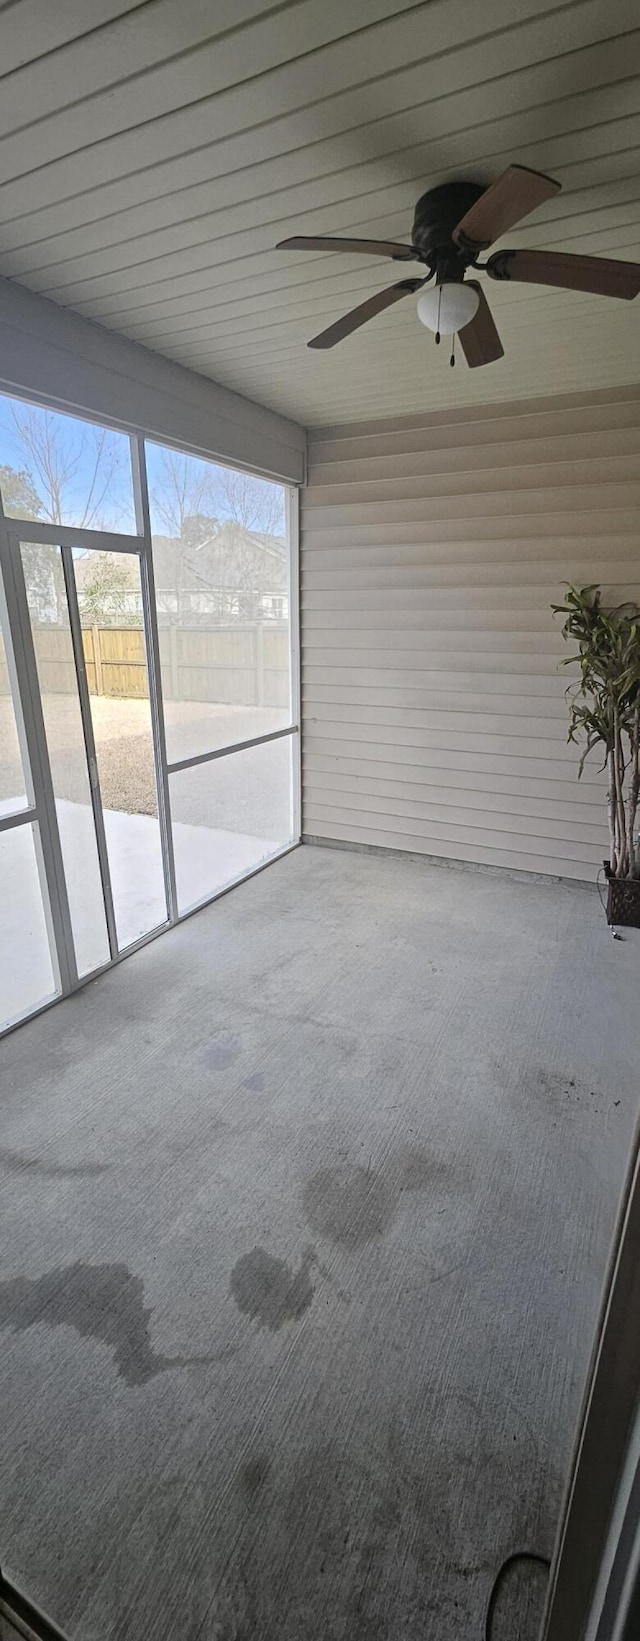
(115, 661)
(239, 665)
(244, 665)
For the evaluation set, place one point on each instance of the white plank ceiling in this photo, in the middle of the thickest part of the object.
(152, 153)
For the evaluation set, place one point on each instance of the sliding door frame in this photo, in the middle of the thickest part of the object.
(15, 534)
(150, 619)
(292, 515)
(93, 774)
(32, 734)
(41, 811)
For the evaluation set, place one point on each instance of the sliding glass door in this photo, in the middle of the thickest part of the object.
(94, 691)
(82, 873)
(51, 654)
(29, 973)
(148, 693)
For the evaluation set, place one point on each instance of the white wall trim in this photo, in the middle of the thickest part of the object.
(51, 354)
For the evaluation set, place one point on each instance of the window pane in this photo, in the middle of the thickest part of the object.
(58, 469)
(67, 755)
(228, 816)
(13, 786)
(221, 566)
(26, 971)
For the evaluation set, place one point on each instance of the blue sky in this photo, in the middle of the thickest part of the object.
(73, 446)
(30, 436)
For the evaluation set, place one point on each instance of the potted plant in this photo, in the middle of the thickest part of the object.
(604, 712)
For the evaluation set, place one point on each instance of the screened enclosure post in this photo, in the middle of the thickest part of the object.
(150, 620)
(89, 745)
(157, 720)
(292, 505)
(14, 688)
(46, 835)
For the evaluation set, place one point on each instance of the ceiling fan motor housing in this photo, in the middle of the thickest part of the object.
(438, 212)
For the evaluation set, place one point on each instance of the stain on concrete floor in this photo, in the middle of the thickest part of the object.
(351, 1206)
(16, 1162)
(256, 1083)
(221, 1053)
(103, 1302)
(270, 1291)
(253, 1476)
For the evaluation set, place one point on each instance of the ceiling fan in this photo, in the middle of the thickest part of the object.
(453, 225)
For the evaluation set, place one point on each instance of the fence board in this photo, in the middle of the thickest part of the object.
(243, 665)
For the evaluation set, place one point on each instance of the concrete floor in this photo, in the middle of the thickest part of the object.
(306, 1210)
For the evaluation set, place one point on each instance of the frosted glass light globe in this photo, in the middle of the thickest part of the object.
(448, 307)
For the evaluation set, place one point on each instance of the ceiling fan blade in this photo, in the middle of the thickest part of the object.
(366, 247)
(479, 339)
(507, 200)
(367, 310)
(598, 275)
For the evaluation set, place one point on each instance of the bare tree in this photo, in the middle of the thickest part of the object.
(182, 498)
(68, 472)
(184, 491)
(54, 457)
(255, 504)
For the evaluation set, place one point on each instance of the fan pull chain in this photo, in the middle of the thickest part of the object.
(439, 306)
(453, 352)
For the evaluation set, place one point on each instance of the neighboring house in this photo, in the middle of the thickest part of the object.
(222, 571)
(226, 571)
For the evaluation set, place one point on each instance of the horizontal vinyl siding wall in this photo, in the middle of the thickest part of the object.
(433, 706)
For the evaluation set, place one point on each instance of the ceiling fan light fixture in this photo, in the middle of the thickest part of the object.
(452, 223)
(448, 307)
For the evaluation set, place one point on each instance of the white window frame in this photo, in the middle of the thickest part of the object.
(25, 687)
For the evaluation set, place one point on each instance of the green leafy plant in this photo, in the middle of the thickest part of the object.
(604, 708)
(107, 590)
